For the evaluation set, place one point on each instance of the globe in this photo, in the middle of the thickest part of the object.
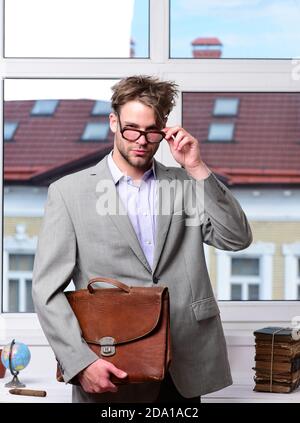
(15, 357)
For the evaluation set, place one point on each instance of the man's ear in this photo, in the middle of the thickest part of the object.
(113, 122)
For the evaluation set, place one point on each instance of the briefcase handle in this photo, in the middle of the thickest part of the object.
(114, 282)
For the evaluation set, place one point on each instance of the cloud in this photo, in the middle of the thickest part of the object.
(273, 10)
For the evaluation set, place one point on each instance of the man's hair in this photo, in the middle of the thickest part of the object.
(149, 90)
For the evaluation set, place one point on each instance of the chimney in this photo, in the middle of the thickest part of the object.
(132, 51)
(207, 48)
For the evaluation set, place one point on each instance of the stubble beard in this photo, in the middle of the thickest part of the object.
(139, 163)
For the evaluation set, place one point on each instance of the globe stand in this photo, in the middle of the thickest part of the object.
(14, 383)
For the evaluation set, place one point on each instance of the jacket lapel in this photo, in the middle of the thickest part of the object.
(165, 208)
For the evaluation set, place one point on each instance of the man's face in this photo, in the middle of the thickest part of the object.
(135, 115)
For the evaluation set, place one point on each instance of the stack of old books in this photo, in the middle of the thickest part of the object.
(277, 360)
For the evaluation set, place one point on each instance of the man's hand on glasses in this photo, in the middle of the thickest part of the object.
(186, 151)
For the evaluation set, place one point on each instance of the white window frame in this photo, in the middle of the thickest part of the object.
(291, 254)
(244, 281)
(13, 246)
(192, 75)
(22, 277)
(262, 250)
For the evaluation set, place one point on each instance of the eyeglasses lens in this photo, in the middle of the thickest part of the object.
(132, 135)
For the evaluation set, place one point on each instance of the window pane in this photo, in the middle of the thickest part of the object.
(226, 107)
(95, 131)
(259, 168)
(236, 292)
(29, 302)
(299, 267)
(266, 137)
(220, 132)
(44, 107)
(9, 130)
(253, 292)
(13, 295)
(245, 266)
(45, 149)
(101, 108)
(235, 29)
(90, 29)
(298, 292)
(22, 262)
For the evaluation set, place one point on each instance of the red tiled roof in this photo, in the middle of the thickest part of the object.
(254, 176)
(21, 173)
(42, 143)
(266, 147)
(206, 41)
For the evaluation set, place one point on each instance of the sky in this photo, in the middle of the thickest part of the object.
(246, 28)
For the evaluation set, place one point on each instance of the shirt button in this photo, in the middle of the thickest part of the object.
(148, 242)
(145, 214)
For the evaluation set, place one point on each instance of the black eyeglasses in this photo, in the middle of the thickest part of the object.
(152, 136)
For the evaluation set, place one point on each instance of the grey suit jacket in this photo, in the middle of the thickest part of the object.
(79, 241)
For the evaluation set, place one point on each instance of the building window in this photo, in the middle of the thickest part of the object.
(20, 267)
(243, 291)
(245, 266)
(236, 291)
(245, 279)
(44, 107)
(95, 131)
(9, 130)
(221, 131)
(247, 274)
(101, 108)
(226, 107)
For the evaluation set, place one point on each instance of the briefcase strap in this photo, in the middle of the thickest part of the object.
(111, 281)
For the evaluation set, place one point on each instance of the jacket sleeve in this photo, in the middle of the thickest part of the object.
(224, 224)
(54, 263)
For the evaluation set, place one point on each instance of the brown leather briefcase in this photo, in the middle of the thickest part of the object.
(128, 326)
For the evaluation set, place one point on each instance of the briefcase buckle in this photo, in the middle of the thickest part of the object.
(107, 346)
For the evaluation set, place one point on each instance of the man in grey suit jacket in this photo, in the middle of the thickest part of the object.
(133, 219)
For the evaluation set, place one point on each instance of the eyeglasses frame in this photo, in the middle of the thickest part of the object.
(122, 130)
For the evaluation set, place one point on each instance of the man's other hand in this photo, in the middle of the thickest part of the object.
(96, 377)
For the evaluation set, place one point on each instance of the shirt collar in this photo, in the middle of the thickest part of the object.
(117, 174)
